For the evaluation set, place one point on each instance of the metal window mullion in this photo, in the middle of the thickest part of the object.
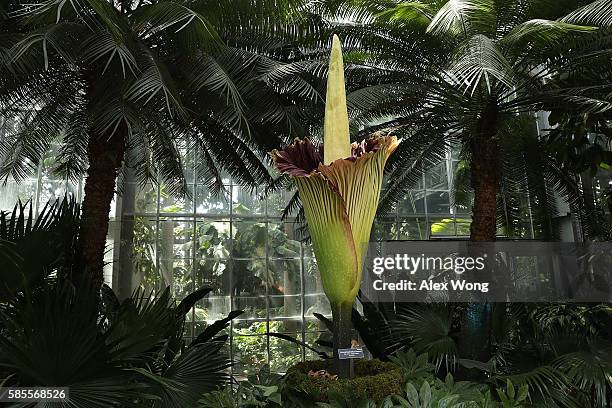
(427, 226)
(157, 226)
(267, 303)
(303, 300)
(231, 273)
(37, 191)
(267, 283)
(194, 246)
(450, 177)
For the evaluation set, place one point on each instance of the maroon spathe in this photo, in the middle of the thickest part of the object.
(302, 157)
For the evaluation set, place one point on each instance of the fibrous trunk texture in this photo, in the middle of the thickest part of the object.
(475, 342)
(105, 159)
(485, 182)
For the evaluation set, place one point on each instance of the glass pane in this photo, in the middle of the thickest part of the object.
(412, 203)
(436, 178)
(249, 277)
(177, 274)
(315, 300)
(211, 309)
(384, 230)
(208, 202)
(213, 273)
(13, 192)
(249, 239)
(146, 199)
(277, 202)
(250, 352)
(283, 353)
(144, 268)
(307, 251)
(413, 229)
(438, 202)
(175, 238)
(282, 241)
(292, 327)
(311, 340)
(213, 239)
(50, 190)
(247, 202)
(285, 288)
(169, 204)
(253, 305)
(442, 226)
(463, 225)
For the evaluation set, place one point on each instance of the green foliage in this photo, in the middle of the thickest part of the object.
(430, 330)
(373, 379)
(512, 397)
(132, 355)
(252, 347)
(262, 389)
(32, 248)
(561, 351)
(150, 75)
(250, 242)
(413, 366)
(476, 67)
(56, 331)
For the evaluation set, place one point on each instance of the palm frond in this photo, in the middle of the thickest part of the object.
(213, 77)
(426, 329)
(545, 382)
(198, 32)
(241, 161)
(57, 38)
(156, 80)
(414, 12)
(541, 33)
(103, 45)
(459, 17)
(479, 59)
(198, 370)
(589, 370)
(598, 13)
(70, 161)
(415, 155)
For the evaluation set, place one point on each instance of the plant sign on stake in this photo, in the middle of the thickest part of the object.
(339, 188)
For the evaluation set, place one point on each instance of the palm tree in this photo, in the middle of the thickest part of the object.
(469, 73)
(128, 82)
(459, 72)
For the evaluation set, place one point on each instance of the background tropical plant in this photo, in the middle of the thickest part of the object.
(56, 331)
(133, 81)
(531, 344)
(486, 64)
(562, 352)
(422, 390)
(36, 247)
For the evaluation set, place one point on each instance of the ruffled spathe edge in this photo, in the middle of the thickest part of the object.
(303, 159)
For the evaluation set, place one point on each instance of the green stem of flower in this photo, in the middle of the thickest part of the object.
(343, 334)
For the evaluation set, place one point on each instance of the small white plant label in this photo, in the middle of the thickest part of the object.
(350, 353)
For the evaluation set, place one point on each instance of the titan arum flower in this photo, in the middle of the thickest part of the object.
(339, 188)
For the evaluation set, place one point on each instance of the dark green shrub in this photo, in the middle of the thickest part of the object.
(373, 379)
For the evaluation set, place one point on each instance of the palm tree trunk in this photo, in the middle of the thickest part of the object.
(485, 182)
(475, 340)
(105, 159)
